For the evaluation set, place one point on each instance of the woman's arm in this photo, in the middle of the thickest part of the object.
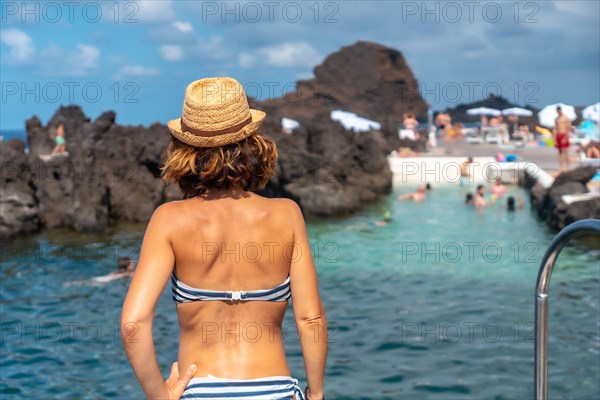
(308, 308)
(153, 272)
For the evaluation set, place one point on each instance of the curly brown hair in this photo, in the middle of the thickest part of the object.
(247, 164)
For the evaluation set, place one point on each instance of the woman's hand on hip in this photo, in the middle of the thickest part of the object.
(175, 384)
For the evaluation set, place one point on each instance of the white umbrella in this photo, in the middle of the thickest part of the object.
(289, 124)
(517, 111)
(548, 115)
(484, 111)
(353, 122)
(592, 112)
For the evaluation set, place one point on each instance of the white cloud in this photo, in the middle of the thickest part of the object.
(56, 61)
(171, 52)
(246, 60)
(197, 49)
(154, 10)
(135, 71)
(20, 44)
(182, 26)
(583, 9)
(291, 54)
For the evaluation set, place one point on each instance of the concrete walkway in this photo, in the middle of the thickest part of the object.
(545, 157)
(442, 164)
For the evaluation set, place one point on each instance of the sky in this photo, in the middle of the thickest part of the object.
(137, 57)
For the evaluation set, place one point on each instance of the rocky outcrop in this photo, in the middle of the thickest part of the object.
(326, 169)
(552, 209)
(112, 172)
(19, 211)
(369, 79)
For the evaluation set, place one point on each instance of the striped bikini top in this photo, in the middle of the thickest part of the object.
(183, 293)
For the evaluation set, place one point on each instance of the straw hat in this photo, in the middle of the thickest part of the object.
(215, 113)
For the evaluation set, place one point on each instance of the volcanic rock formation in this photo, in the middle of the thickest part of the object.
(112, 172)
(551, 207)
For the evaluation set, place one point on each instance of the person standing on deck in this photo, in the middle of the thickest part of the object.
(562, 128)
(464, 172)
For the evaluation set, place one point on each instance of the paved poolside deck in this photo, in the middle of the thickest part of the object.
(442, 164)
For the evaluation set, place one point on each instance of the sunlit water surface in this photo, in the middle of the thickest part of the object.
(436, 305)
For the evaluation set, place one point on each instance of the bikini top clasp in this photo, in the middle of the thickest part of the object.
(237, 295)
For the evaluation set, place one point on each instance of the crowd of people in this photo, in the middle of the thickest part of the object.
(480, 199)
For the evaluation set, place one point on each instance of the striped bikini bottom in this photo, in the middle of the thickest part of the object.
(268, 388)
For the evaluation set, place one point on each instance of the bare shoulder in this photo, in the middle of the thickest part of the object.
(169, 214)
(287, 207)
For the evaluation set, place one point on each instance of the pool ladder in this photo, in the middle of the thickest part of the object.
(586, 226)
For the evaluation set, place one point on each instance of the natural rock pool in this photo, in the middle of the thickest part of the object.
(439, 304)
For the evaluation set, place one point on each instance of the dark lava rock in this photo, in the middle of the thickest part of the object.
(369, 79)
(582, 175)
(552, 209)
(19, 210)
(326, 169)
(112, 172)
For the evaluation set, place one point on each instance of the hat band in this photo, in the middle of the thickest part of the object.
(200, 132)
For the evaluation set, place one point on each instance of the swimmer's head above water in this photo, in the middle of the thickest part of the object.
(510, 203)
(387, 216)
(125, 264)
(481, 190)
(469, 199)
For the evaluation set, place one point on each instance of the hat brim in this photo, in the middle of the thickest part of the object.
(176, 129)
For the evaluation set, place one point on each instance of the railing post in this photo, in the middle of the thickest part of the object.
(587, 226)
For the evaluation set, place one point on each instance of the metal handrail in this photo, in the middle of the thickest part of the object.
(586, 226)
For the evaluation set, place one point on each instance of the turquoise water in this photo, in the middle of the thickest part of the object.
(436, 305)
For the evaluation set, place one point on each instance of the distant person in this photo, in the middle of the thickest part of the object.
(469, 200)
(511, 205)
(417, 196)
(60, 140)
(457, 130)
(409, 126)
(428, 187)
(387, 219)
(410, 121)
(524, 132)
(484, 121)
(562, 129)
(593, 150)
(125, 267)
(464, 172)
(405, 152)
(479, 200)
(444, 123)
(499, 189)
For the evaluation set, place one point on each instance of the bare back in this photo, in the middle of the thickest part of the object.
(243, 243)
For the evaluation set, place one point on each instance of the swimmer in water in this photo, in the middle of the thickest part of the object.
(510, 203)
(387, 218)
(469, 199)
(417, 196)
(479, 199)
(499, 189)
(125, 267)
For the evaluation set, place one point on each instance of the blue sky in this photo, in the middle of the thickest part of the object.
(136, 57)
